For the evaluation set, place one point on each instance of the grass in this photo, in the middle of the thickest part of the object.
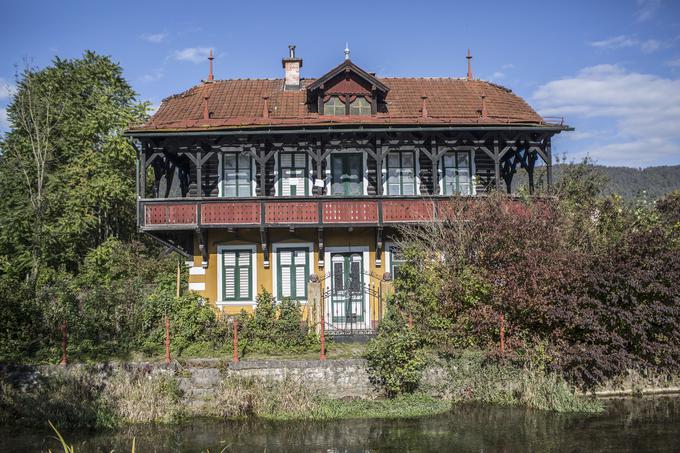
(79, 398)
(470, 377)
(292, 400)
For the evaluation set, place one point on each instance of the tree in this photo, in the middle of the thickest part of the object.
(67, 170)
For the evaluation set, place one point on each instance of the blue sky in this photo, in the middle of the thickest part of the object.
(612, 68)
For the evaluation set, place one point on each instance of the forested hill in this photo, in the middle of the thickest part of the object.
(629, 182)
(626, 181)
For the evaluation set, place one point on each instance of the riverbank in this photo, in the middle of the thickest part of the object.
(118, 394)
(626, 425)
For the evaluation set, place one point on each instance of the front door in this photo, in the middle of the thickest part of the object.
(347, 174)
(347, 283)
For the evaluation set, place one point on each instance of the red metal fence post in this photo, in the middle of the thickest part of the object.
(502, 334)
(167, 340)
(410, 320)
(235, 340)
(64, 344)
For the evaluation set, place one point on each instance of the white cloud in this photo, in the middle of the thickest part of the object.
(646, 9)
(192, 54)
(508, 66)
(497, 75)
(154, 38)
(6, 89)
(644, 107)
(674, 63)
(627, 41)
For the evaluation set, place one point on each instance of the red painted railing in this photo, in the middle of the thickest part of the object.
(174, 213)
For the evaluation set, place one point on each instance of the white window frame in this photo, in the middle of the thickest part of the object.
(329, 172)
(253, 170)
(310, 174)
(473, 171)
(275, 272)
(364, 250)
(253, 283)
(416, 156)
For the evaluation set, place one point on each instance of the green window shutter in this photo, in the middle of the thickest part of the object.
(292, 273)
(237, 274)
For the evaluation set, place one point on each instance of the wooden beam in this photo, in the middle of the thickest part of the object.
(199, 173)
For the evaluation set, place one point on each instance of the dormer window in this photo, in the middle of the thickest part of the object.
(334, 106)
(360, 106)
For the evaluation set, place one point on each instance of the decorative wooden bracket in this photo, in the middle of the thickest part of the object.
(203, 246)
(321, 250)
(378, 247)
(265, 246)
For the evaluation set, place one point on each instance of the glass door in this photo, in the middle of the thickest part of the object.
(347, 283)
(347, 174)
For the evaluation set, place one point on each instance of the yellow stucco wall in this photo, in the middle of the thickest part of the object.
(340, 238)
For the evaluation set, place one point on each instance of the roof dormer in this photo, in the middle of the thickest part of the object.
(347, 90)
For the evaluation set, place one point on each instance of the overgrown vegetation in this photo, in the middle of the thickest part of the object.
(274, 328)
(294, 400)
(86, 398)
(587, 287)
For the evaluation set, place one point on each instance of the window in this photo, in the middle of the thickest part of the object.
(292, 269)
(396, 261)
(401, 173)
(293, 179)
(347, 174)
(334, 106)
(237, 175)
(360, 106)
(457, 170)
(237, 275)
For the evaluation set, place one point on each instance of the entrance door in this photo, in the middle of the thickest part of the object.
(347, 283)
(347, 174)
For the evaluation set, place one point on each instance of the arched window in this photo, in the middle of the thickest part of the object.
(360, 106)
(334, 106)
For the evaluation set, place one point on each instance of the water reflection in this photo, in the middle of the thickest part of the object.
(649, 424)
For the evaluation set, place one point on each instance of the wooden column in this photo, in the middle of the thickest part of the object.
(435, 166)
(497, 164)
(548, 153)
(378, 166)
(142, 172)
(199, 175)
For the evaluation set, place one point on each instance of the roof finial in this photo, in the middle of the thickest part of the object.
(346, 51)
(210, 73)
(469, 59)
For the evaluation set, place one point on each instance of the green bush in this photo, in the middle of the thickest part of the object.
(395, 356)
(275, 328)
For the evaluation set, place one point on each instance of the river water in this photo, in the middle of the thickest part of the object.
(635, 425)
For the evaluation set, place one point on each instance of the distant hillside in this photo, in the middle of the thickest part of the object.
(625, 181)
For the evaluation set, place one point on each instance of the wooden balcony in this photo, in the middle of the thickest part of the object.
(191, 213)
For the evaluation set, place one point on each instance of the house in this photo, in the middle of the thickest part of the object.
(273, 183)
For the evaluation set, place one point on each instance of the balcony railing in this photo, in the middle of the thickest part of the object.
(187, 213)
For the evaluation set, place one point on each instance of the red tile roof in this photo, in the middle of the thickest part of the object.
(240, 104)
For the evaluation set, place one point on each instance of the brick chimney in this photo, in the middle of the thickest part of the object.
(291, 66)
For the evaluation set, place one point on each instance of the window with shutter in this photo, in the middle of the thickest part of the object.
(293, 179)
(293, 268)
(237, 175)
(237, 275)
(401, 173)
(457, 169)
